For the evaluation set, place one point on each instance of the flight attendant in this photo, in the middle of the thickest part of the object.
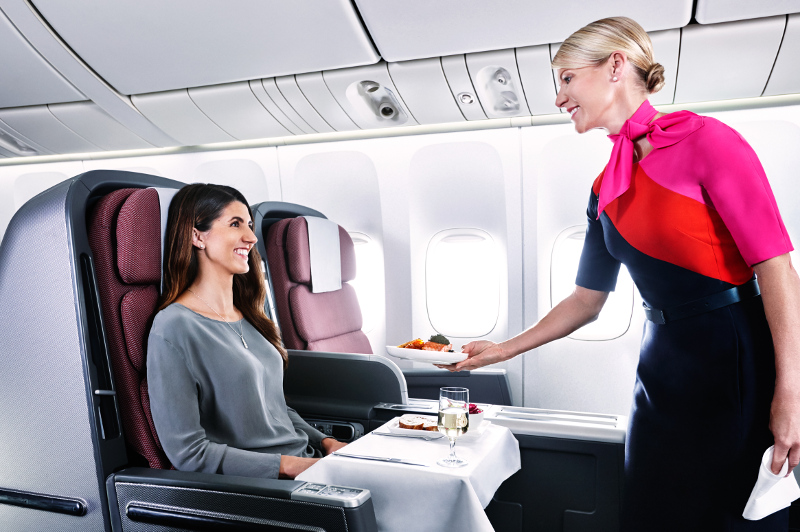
(214, 360)
(685, 204)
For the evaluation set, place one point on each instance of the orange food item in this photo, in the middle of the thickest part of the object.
(413, 344)
(433, 346)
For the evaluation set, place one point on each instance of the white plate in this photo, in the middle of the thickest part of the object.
(434, 357)
(472, 433)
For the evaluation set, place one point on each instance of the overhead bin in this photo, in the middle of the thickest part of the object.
(89, 121)
(535, 74)
(714, 11)
(313, 87)
(176, 114)
(727, 61)
(424, 89)
(145, 46)
(43, 131)
(496, 80)
(369, 97)
(12, 144)
(785, 77)
(297, 100)
(234, 108)
(417, 29)
(455, 70)
(27, 79)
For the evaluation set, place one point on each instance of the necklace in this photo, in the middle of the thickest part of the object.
(239, 334)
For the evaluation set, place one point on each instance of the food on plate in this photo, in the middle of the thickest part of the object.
(473, 409)
(414, 422)
(437, 342)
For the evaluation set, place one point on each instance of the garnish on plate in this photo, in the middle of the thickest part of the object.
(437, 342)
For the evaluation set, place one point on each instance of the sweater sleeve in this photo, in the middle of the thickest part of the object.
(314, 436)
(175, 408)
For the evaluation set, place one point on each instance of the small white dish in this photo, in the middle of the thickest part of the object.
(473, 433)
(432, 357)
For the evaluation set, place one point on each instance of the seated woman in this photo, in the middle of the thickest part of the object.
(215, 361)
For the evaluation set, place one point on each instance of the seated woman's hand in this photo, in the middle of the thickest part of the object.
(291, 466)
(330, 445)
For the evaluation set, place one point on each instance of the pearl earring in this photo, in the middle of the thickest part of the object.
(614, 78)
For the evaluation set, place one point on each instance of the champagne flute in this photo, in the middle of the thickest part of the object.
(453, 420)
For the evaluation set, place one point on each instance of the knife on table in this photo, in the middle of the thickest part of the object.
(378, 459)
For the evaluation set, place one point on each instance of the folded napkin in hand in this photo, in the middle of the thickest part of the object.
(771, 492)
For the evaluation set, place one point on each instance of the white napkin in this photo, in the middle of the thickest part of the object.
(771, 492)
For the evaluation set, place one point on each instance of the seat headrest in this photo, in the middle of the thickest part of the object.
(299, 254)
(139, 239)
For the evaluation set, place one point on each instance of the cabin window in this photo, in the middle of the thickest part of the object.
(367, 283)
(615, 318)
(462, 283)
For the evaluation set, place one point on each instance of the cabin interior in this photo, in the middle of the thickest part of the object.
(428, 132)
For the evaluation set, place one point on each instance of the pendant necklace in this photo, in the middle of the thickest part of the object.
(239, 334)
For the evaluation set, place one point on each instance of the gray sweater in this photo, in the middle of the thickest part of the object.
(218, 407)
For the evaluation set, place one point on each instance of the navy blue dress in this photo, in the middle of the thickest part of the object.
(699, 422)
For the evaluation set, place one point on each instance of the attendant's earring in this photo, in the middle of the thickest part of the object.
(614, 78)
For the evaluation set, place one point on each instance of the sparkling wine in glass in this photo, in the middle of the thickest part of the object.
(453, 421)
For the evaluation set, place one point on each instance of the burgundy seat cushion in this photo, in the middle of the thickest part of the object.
(127, 255)
(328, 321)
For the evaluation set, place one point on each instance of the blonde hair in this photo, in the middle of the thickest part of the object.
(593, 44)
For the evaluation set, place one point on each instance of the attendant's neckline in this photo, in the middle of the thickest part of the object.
(205, 317)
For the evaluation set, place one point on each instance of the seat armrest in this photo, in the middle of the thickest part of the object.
(162, 501)
(264, 487)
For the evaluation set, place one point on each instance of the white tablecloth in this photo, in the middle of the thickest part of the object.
(430, 498)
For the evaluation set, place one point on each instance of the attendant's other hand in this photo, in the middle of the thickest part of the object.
(291, 466)
(785, 426)
(330, 445)
(479, 354)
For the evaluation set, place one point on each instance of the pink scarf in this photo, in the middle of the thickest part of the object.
(666, 131)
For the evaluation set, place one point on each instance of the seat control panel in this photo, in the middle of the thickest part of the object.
(331, 495)
(345, 431)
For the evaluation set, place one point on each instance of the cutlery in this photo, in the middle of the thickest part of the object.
(378, 459)
(420, 437)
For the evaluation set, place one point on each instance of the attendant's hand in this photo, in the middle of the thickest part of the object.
(479, 354)
(291, 466)
(785, 426)
(330, 445)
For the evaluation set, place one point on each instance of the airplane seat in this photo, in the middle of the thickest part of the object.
(312, 320)
(124, 235)
(331, 321)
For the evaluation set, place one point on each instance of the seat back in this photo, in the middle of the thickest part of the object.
(327, 321)
(124, 236)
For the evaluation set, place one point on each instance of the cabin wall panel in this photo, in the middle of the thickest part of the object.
(597, 376)
(785, 77)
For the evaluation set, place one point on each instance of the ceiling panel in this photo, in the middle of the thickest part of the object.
(785, 78)
(316, 92)
(142, 46)
(666, 48)
(424, 89)
(416, 29)
(235, 109)
(25, 77)
(180, 118)
(89, 121)
(714, 11)
(455, 70)
(727, 61)
(39, 125)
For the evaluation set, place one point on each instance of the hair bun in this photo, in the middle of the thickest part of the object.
(654, 77)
